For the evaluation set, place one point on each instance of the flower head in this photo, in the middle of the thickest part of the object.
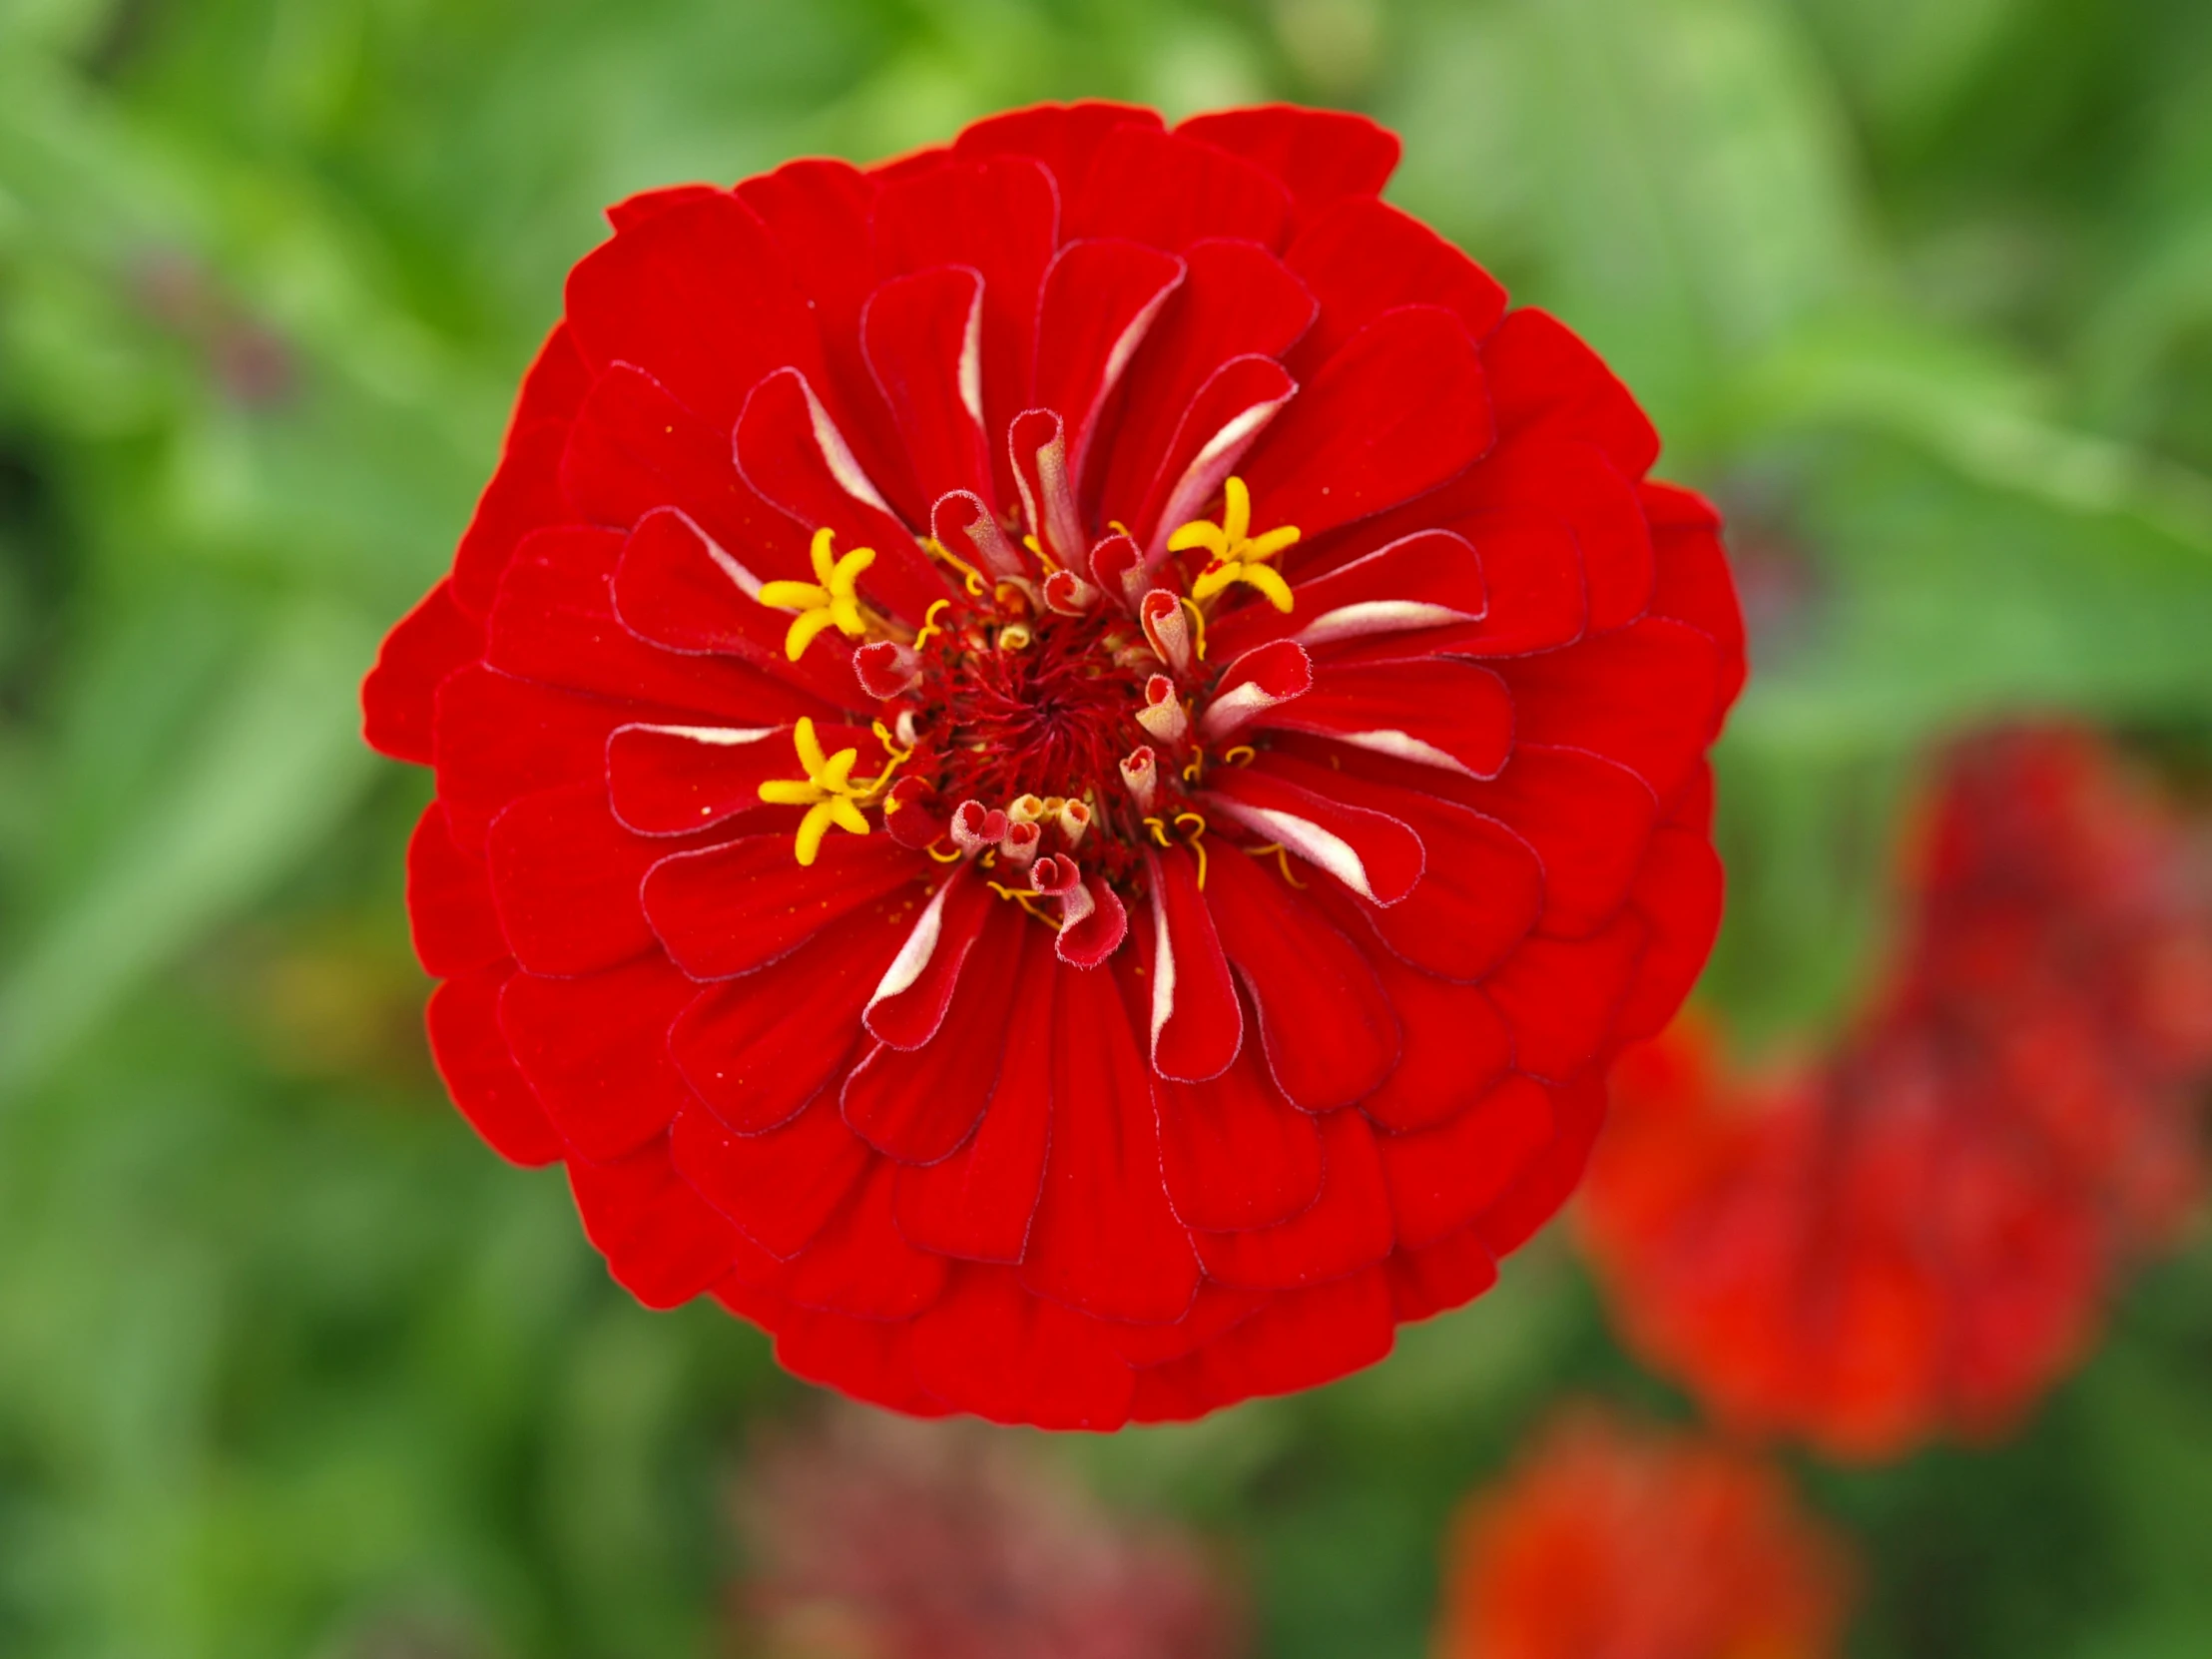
(1159, 921)
(1913, 1234)
(1612, 1542)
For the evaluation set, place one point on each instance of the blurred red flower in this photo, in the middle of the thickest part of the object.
(1059, 762)
(1610, 1542)
(1914, 1235)
(872, 1538)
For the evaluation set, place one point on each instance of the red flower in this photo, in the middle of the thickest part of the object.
(1915, 1236)
(1059, 762)
(1615, 1544)
(898, 1540)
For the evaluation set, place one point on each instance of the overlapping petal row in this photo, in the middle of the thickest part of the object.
(1916, 1235)
(1060, 762)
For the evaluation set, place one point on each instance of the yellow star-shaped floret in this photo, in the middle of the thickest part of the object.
(1239, 556)
(827, 792)
(829, 601)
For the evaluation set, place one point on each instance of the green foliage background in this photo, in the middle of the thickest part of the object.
(289, 1364)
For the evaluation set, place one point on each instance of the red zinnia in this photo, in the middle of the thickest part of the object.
(1615, 1544)
(1059, 762)
(1915, 1236)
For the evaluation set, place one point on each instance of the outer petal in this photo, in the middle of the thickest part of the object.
(699, 297)
(780, 1188)
(595, 1050)
(398, 699)
(991, 1348)
(1319, 154)
(481, 1074)
(728, 909)
(661, 1243)
(456, 929)
(1442, 1178)
(1170, 192)
(1363, 256)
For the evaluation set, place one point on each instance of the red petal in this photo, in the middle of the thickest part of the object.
(498, 738)
(1362, 257)
(1329, 1032)
(1448, 1274)
(1433, 711)
(1427, 580)
(1588, 820)
(1442, 1179)
(910, 1001)
(699, 298)
(1099, 300)
(759, 1047)
(481, 1074)
(1197, 1023)
(523, 495)
(1065, 137)
(1233, 1151)
(596, 1051)
(1299, 1340)
(1348, 1226)
(819, 212)
(1537, 1192)
(1548, 381)
(450, 903)
(661, 1244)
(1226, 417)
(554, 622)
(1400, 410)
(1000, 216)
(1694, 583)
(1678, 895)
(634, 449)
(1215, 1309)
(923, 339)
(1321, 155)
(919, 1105)
(565, 878)
(791, 453)
(1457, 1047)
(1481, 890)
(991, 1348)
(726, 910)
(1262, 679)
(1375, 855)
(978, 1202)
(859, 1265)
(1575, 483)
(780, 1188)
(634, 211)
(1647, 696)
(1235, 300)
(1533, 570)
(1104, 1239)
(678, 589)
(1166, 191)
(866, 1359)
(400, 696)
(671, 780)
(1562, 996)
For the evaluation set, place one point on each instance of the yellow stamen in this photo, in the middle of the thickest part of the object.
(827, 792)
(929, 623)
(1197, 838)
(1239, 556)
(832, 599)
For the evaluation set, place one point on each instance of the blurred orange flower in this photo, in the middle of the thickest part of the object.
(1914, 1234)
(1613, 1542)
